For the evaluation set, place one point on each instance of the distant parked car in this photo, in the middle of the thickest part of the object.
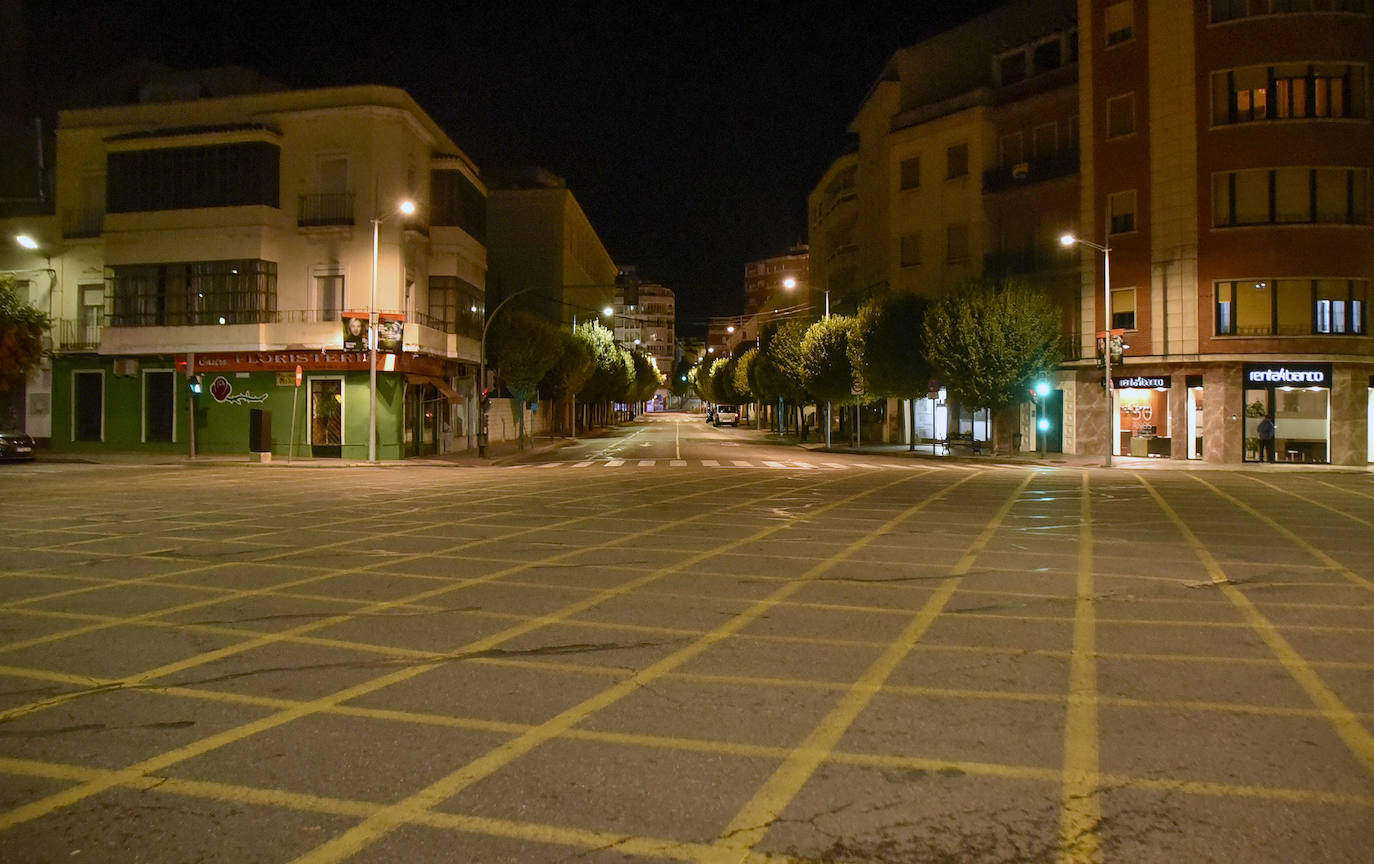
(15, 446)
(727, 415)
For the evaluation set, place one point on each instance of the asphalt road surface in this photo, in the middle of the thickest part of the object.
(678, 643)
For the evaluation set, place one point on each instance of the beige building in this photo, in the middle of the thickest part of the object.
(539, 239)
(649, 323)
(231, 238)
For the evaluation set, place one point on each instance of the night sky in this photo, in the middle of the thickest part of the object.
(691, 133)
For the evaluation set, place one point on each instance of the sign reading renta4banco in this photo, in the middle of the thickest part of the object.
(1288, 374)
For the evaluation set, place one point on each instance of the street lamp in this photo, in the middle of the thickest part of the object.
(1071, 240)
(407, 207)
(789, 283)
(26, 241)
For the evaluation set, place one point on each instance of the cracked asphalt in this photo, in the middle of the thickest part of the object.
(887, 660)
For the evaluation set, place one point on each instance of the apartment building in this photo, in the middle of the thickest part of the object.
(240, 246)
(648, 322)
(783, 280)
(1219, 150)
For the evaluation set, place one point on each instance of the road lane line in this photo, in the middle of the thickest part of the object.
(373, 829)
(678, 463)
(549, 464)
(1292, 537)
(1314, 502)
(1079, 842)
(614, 463)
(1351, 731)
(742, 463)
(647, 463)
(835, 465)
(710, 463)
(584, 463)
(753, 820)
(774, 464)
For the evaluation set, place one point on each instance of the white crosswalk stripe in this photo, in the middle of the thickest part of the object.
(678, 463)
(646, 463)
(614, 463)
(774, 464)
(584, 464)
(711, 463)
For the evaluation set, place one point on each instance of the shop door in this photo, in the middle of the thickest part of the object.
(1051, 438)
(159, 407)
(326, 418)
(89, 406)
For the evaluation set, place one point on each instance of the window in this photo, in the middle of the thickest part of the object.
(455, 306)
(956, 242)
(1010, 150)
(1292, 307)
(329, 294)
(957, 161)
(1281, 6)
(179, 178)
(1044, 141)
(1290, 196)
(1123, 308)
(1048, 55)
(1011, 67)
(455, 200)
(194, 292)
(1121, 211)
(91, 314)
(911, 249)
(1120, 17)
(1121, 115)
(910, 173)
(1227, 10)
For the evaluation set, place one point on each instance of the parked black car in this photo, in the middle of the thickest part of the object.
(15, 446)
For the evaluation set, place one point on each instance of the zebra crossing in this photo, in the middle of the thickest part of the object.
(767, 464)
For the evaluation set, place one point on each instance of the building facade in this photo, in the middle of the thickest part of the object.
(649, 323)
(779, 281)
(238, 246)
(1220, 151)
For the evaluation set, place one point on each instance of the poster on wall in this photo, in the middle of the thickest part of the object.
(354, 331)
(390, 332)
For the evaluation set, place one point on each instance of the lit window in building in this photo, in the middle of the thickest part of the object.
(1122, 211)
(1123, 308)
(1121, 115)
(1120, 17)
(1292, 307)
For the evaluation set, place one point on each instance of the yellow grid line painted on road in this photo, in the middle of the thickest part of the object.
(1081, 806)
(36, 809)
(753, 820)
(1314, 502)
(1351, 731)
(361, 836)
(1320, 555)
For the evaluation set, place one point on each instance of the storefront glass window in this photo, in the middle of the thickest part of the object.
(1143, 422)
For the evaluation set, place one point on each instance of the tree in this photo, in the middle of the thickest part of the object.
(827, 369)
(525, 348)
(778, 367)
(570, 370)
(743, 376)
(889, 349)
(647, 378)
(21, 334)
(681, 385)
(723, 382)
(987, 341)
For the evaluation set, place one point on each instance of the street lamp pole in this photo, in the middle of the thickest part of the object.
(1071, 240)
(406, 207)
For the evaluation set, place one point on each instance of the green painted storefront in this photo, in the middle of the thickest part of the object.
(103, 404)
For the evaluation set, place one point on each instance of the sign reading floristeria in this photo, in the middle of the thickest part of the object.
(315, 361)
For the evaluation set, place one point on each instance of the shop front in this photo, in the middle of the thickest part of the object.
(1295, 399)
(1142, 416)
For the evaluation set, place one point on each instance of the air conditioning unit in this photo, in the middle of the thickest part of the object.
(1021, 170)
(126, 366)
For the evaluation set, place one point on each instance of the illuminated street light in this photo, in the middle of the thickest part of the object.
(1071, 240)
(730, 329)
(26, 241)
(407, 207)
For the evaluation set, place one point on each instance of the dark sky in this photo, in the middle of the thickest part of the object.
(691, 133)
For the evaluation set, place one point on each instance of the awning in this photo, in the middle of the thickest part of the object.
(439, 384)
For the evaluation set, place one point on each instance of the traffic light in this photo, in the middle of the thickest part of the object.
(486, 400)
(194, 383)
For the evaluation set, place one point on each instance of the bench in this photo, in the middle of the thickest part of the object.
(973, 444)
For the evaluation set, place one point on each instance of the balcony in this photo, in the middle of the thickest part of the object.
(78, 335)
(325, 209)
(1030, 173)
(1028, 261)
(79, 223)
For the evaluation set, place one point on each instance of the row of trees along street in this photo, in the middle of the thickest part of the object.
(582, 371)
(986, 342)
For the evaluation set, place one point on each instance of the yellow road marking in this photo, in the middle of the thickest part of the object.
(1082, 809)
(1332, 563)
(1313, 501)
(67, 797)
(754, 819)
(1351, 731)
(360, 836)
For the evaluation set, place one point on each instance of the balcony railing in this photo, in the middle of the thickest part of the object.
(82, 222)
(466, 324)
(1029, 173)
(79, 335)
(1029, 260)
(326, 208)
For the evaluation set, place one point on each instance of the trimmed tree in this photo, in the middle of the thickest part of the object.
(526, 347)
(569, 371)
(827, 366)
(987, 341)
(889, 349)
(778, 368)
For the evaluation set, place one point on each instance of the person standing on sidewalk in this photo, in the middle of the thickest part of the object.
(1266, 438)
